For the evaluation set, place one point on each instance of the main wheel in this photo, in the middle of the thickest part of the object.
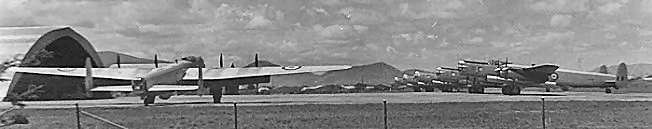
(511, 90)
(516, 90)
(476, 89)
(430, 88)
(416, 88)
(446, 88)
(607, 90)
(149, 99)
(505, 90)
(217, 94)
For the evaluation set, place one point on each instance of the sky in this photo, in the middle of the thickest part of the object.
(424, 34)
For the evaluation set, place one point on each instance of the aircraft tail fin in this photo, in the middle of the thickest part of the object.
(603, 69)
(621, 75)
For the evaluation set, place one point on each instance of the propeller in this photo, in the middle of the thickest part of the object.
(256, 60)
(156, 60)
(221, 61)
(505, 68)
(502, 69)
(88, 80)
(256, 65)
(117, 58)
(200, 77)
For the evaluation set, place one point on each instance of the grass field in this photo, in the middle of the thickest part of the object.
(432, 115)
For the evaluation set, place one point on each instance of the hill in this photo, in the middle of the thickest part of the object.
(636, 70)
(376, 73)
(262, 63)
(109, 58)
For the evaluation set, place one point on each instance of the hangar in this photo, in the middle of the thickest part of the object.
(60, 47)
(45, 46)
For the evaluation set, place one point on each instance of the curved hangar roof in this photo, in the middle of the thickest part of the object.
(46, 46)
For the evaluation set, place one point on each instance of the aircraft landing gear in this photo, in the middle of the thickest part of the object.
(548, 89)
(607, 90)
(217, 94)
(429, 88)
(511, 90)
(446, 88)
(149, 99)
(476, 89)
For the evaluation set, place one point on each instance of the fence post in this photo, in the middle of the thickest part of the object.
(235, 115)
(77, 112)
(385, 114)
(543, 112)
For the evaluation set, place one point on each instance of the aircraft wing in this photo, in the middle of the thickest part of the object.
(109, 73)
(232, 73)
(128, 88)
(536, 70)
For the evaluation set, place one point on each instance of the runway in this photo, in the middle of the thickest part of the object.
(349, 98)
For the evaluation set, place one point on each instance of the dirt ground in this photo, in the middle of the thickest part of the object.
(560, 114)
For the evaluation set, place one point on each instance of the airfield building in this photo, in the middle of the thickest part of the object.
(50, 46)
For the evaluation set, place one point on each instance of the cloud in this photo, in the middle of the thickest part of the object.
(339, 32)
(362, 16)
(258, 22)
(561, 20)
(440, 9)
(560, 6)
(310, 33)
(610, 8)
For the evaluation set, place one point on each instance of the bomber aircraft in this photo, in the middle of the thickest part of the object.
(187, 74)
(513, 77)
(418, 81)
(450, 78)
(564, 78)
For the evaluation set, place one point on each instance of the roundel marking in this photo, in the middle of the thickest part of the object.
(553, 77)
(291, 67)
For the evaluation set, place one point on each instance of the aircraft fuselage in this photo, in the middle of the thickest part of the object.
(170, 74)
(574, 78)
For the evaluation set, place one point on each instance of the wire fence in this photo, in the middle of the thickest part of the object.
(79, 113)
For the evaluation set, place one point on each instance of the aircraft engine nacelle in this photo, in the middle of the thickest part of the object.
(139, 86)
(165, 96)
